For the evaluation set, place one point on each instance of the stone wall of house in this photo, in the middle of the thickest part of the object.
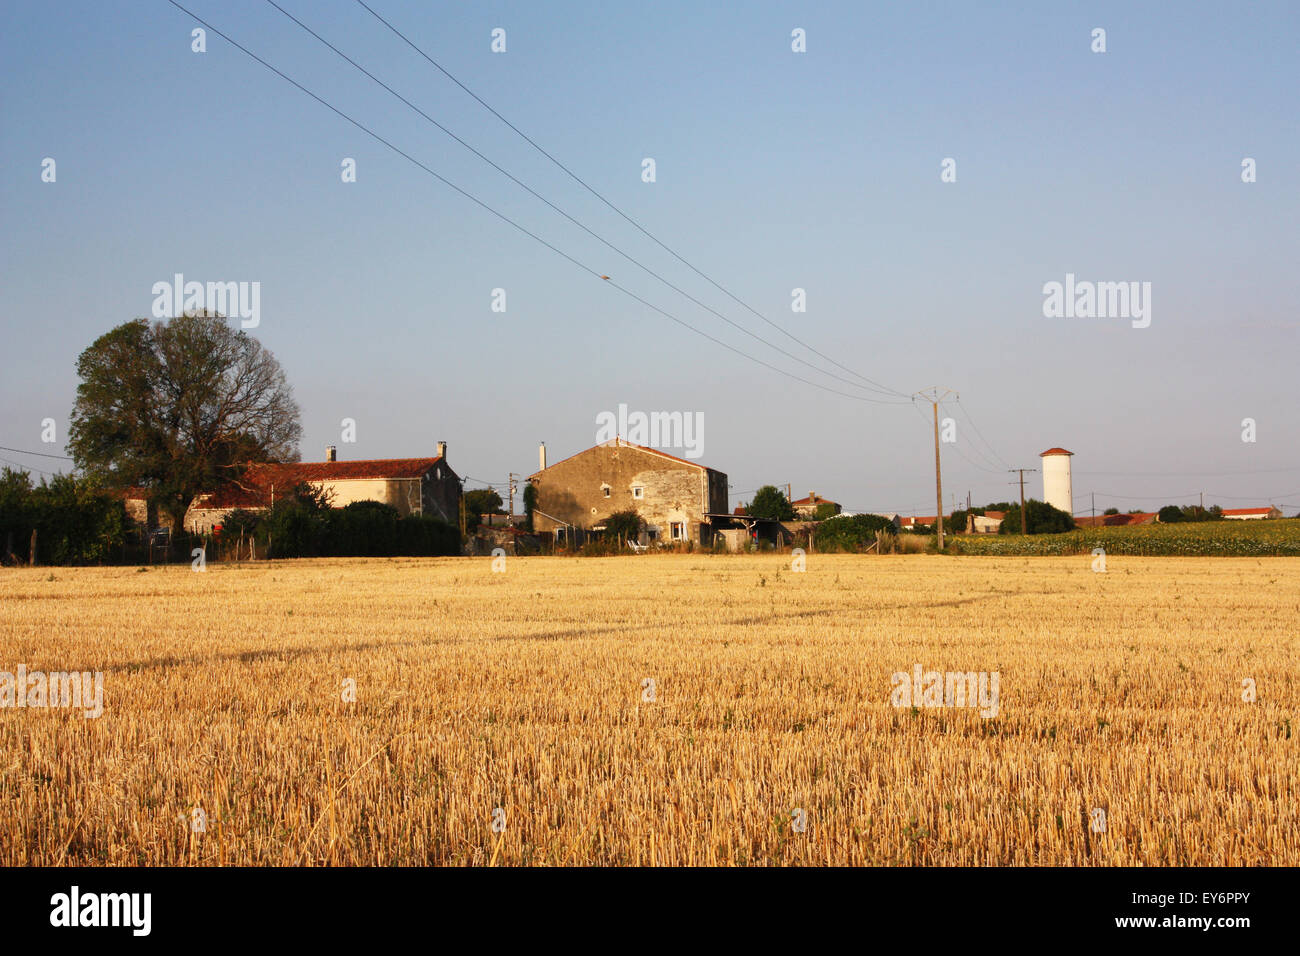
(203, 520)
(586, 489)
(441, 494)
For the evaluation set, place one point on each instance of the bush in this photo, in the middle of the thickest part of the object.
(1041, 517)
(623, 525)
(363, 528)
(74, 520)
(293, 530)
(850, 533)
(360, 529)
(423, 536)
(239, 522)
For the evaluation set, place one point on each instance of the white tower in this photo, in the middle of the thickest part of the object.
(1057, 490)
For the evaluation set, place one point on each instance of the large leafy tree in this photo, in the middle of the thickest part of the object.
(770, 503)
(177, 407)
(480, 502)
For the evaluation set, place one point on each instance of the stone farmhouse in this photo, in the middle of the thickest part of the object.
(411, 485)
(678, 500)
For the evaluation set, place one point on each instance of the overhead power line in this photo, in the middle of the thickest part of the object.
(23, 467)
(1188, 474)
(39, 454)
(957, 448)
(649, 235)
(557, 209)
(523, 229)
(980, 435)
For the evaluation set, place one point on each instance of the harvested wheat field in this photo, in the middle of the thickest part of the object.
(507, 718)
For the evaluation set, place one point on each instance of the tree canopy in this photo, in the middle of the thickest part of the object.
(770, 503)
(176, 407)
(480, 502)
(1041, 518)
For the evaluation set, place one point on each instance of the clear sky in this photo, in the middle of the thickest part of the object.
(775, 170)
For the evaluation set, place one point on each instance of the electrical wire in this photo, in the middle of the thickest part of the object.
(574, 176)
(41, 454)
(532, 192)
(532, 235)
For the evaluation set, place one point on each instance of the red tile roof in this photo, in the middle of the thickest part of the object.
(259, 481)
(819, 500)
(917, 519)
(342, 470)
(1249, 511)
(1054, 451)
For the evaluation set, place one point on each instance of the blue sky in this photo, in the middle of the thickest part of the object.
(775, 170)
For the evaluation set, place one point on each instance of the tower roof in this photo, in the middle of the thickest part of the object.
(1054, 451)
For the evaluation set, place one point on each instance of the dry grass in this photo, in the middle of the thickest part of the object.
(522, 690)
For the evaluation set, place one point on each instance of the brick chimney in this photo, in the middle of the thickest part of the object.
(331, 453)
(442, 449)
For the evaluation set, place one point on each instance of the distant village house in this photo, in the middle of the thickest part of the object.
(425, 486)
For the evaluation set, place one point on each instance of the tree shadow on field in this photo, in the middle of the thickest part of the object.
(283, 654)
(575, 632)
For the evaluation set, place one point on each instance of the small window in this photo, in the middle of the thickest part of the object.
(678, 530)
(440, 473)
(638, 491)
(605, 489)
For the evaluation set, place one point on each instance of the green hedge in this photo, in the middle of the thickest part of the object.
(75, 522)
(298, 528)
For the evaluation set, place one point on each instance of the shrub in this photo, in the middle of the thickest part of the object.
(75, 521)
(850, 533)
(363, 528)
(1041, 518)
(239, 522)
(623, 525)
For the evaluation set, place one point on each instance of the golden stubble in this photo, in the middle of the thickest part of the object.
(523, 691)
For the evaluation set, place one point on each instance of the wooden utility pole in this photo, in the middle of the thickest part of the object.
(511, 518)
(1024, 522)
(934, 398)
